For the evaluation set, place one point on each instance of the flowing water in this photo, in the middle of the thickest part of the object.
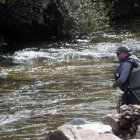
(48, 84)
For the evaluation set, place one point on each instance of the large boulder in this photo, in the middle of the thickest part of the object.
(124, 125)
(80, 129)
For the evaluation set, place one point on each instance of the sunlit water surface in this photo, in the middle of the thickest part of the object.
(49, 84)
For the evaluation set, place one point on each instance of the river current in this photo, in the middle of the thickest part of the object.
(46, 84)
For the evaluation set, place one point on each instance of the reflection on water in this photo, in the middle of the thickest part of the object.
(45, 86)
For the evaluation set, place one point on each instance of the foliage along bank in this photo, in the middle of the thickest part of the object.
(46, 19)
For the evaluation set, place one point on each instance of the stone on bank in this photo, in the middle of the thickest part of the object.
(80, 129)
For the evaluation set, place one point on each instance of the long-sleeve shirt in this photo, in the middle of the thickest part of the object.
(125, 71)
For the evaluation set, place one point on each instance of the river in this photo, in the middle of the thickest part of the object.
(47, 84)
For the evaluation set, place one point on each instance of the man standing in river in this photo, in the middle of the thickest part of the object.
(127, 76)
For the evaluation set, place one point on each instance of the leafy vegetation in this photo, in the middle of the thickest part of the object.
(35, 19)
(52, 17)
(88, 16)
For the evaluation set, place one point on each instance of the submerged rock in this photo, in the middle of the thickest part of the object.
(79, 121)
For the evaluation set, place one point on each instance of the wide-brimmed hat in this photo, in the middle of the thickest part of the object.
(123, 49)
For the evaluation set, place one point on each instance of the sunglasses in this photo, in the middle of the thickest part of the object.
(118, 54)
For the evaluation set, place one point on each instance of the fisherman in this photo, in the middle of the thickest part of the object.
(127, 76)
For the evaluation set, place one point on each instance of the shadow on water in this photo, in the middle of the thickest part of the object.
(45, 86)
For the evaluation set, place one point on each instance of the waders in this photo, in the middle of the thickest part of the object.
(128, 97)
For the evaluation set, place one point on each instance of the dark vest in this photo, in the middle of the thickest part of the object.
(133, 80)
